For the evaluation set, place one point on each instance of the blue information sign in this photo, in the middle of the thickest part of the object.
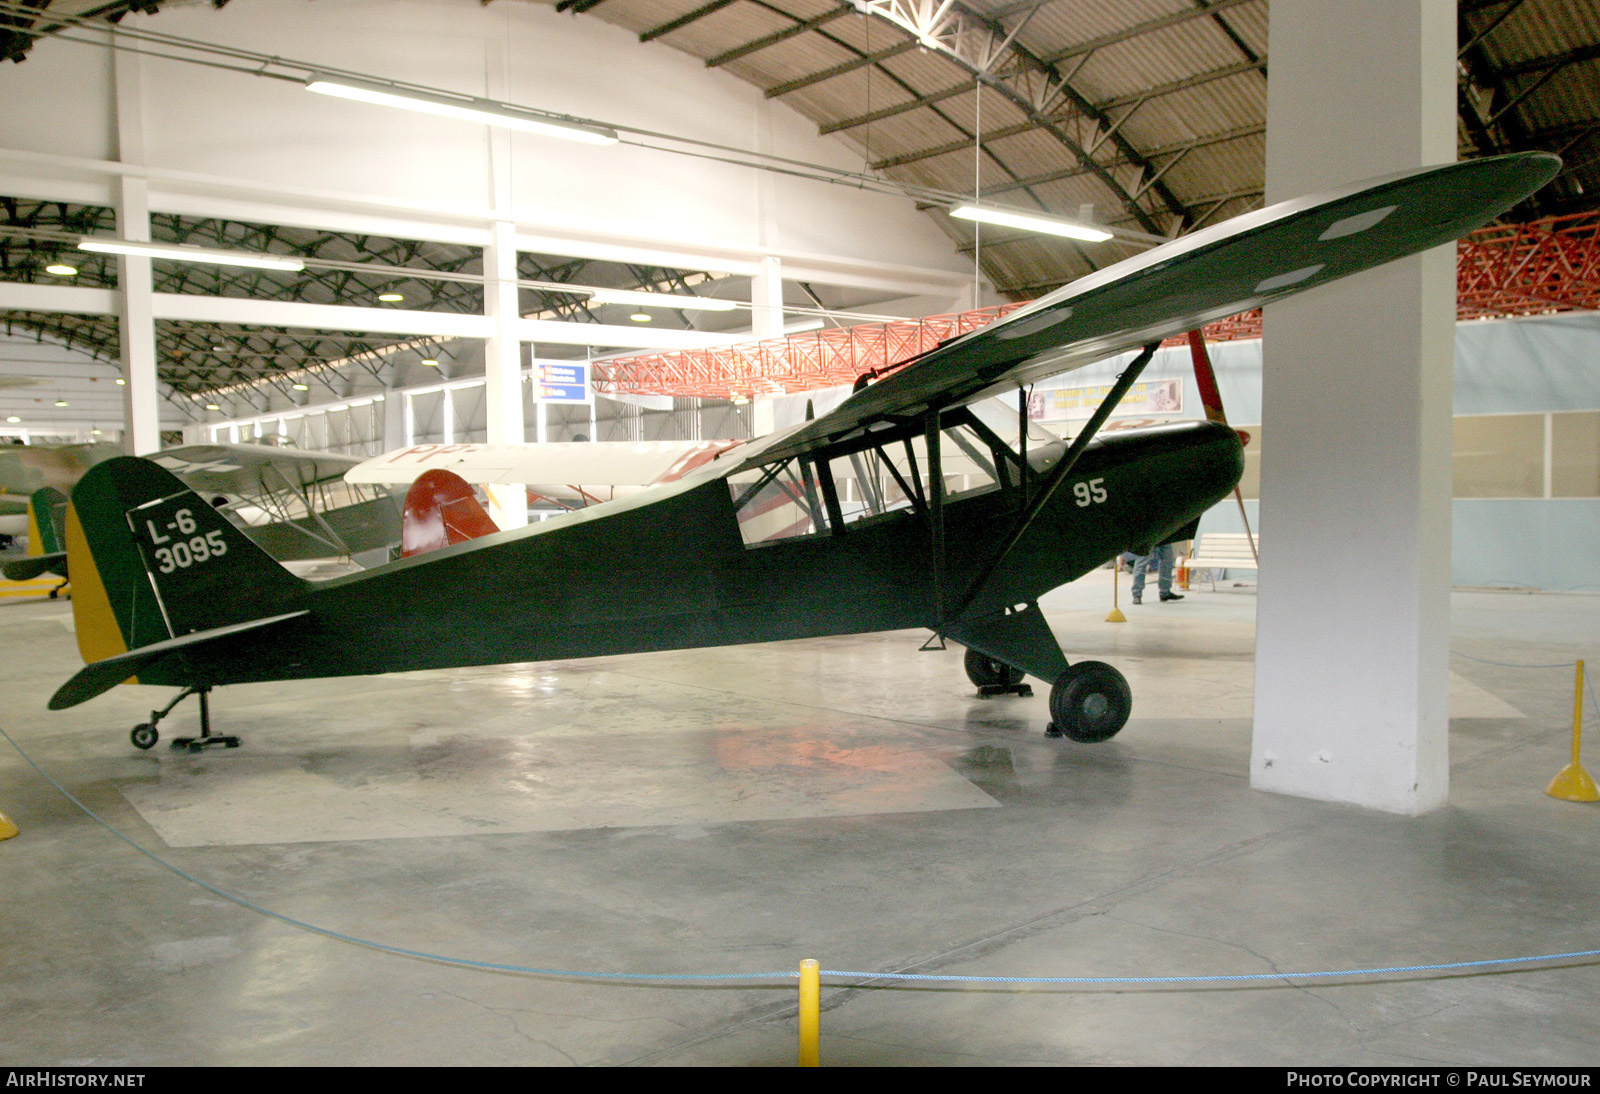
(561, 381)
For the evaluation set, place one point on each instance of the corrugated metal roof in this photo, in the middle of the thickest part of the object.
(1183, 83)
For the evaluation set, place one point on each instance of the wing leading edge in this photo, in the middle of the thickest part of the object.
(1197, 279)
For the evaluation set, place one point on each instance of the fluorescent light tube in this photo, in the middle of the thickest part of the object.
(182, 252)
(465, 108)
(661, 300)
(1029, 223)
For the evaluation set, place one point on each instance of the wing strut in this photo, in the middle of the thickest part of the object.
(1058, 475)
(936, 509)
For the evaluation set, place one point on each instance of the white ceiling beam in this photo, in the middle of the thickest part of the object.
(187, 193)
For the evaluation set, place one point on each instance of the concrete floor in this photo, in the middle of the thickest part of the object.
(738, 810)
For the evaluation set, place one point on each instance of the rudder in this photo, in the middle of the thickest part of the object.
(165, 562)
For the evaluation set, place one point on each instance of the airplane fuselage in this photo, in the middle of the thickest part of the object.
(675, 573)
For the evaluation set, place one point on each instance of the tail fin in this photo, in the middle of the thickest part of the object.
(47, 552)
(441, 509)
(47, 512)
(152, 560)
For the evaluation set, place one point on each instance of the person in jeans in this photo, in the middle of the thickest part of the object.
(1161, 557)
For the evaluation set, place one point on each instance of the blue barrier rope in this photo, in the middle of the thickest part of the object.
(1588, 677)
(1513, 664)
(755, 977)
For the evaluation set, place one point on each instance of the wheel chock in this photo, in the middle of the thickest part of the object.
(7, 829)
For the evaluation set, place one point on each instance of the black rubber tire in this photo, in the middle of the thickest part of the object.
(1090, 702)
(144, 736)
(986, 672)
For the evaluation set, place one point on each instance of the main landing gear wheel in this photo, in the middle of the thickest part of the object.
(1089, 703)
(985, 671)
(144, 736)
(994, 677)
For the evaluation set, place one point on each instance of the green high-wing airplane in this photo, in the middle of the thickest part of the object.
(849, 523)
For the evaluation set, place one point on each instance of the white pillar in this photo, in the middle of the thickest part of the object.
(766, 298)
(141, 398)
(394, 412)
(1352, 636)
(502, 356)
(502, 369)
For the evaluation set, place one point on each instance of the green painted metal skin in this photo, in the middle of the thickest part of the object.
(668, 569)
(48, 508)
(668, 574)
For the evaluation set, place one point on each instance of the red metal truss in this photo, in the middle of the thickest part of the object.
(1543, 266)
(799, 362)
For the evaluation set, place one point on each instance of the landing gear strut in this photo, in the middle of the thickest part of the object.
(1090, 702)
(145, 735)
(994, 677)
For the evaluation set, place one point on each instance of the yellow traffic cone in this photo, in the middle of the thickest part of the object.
(1572, 783)
(7, 829)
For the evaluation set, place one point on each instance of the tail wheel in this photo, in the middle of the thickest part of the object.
(1090, 702)
(144, 735)
(987, 672)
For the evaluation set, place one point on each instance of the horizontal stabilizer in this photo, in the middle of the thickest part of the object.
(102, 676)
(30, 567)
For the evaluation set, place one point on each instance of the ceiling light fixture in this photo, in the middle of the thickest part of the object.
(13, 419)
(301, 387)
(182, 252)
(661, 300)
(641, 317)
(61, 402)
(462, 108)
(430, 362)
(121, 382)
(1028, 222)
(61, 269)
(212, 406)
(391, 297)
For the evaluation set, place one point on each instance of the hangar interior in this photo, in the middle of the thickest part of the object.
(782, 175)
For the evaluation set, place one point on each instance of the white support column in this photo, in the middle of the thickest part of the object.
(141, 398)
(1352, 635)
(502, 355)
(394, 414)
(766, 298)
(502, 367)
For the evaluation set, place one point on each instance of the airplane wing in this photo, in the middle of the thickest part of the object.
(251, 469)
(1196, 279)
(602, 463)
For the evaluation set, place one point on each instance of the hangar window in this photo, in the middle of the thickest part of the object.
(1575, 454)
(1499, 456)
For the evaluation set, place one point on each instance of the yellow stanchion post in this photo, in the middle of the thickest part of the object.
(810, 1013)
(1116, 615)
(1572, 783)
(7, 829)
